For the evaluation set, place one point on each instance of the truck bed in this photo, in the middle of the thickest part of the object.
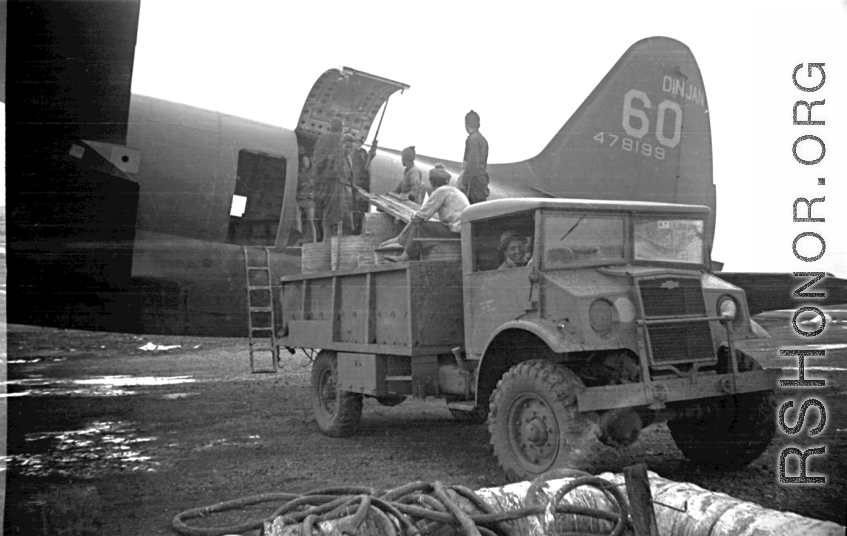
(412, 308)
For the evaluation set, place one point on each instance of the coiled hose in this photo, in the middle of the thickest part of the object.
(418, 508)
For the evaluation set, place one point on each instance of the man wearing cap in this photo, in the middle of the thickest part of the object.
(473, 180)
(512, 248)
(410, 186)
(445, 200)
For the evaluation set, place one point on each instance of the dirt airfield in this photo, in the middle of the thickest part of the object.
(116, 433)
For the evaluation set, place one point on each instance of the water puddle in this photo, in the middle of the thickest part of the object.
(808, 368)
(99, 386)
(825, 346)
(176, 396)
(101, 447)
(252, 441)
(30, 361)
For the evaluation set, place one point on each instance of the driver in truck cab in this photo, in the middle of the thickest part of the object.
(513, 249)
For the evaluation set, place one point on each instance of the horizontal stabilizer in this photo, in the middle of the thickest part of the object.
(772, 291)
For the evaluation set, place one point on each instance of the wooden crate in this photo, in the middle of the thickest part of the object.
(317, 257)
(381, 225)
(440, 249)
(352, 247)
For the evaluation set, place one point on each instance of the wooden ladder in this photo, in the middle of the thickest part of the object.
(260, 311)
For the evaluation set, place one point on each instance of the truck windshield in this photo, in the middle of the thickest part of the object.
(668, 240)
(580, 238)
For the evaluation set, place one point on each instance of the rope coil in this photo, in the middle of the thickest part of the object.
(417, 508)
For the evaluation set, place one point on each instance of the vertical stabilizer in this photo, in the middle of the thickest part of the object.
(643, 134)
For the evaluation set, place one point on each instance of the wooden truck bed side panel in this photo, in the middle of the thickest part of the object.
(410, 309)
(391, 308)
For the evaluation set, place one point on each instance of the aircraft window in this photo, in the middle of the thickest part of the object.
(239, 203)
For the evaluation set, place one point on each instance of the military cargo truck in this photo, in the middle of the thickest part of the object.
(614, 323)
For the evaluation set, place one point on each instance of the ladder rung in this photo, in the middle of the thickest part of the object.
(398, 378)
(260, 309)
(259, 268)
(259, 287)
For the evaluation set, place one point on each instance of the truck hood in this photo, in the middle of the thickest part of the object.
(587, 283)
(708, 281)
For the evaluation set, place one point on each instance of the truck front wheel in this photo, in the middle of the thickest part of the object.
(534, 422)
(337, 412)
(734, 430)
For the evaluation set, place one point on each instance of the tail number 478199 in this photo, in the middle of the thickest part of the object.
(639, 127)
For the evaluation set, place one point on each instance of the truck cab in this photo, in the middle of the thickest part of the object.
(600, 277)
(616, 299)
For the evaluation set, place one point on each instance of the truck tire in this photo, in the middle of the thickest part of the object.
(337, 412)
(534, 422)
(734, 431)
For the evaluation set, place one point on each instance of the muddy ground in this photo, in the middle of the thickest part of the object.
(105, 437)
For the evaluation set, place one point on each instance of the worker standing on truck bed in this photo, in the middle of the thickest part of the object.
(361, 160)
(473, 181)
(332, 171)
(447, 201)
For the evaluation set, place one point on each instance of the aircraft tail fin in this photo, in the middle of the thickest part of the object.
(643, 134)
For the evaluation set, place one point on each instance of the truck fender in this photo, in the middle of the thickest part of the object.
(494, 364)
(558, 340)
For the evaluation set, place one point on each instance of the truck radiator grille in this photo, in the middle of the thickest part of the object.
(686, 342)
(672, 296)
(676, 342)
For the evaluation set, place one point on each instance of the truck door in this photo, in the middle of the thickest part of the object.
(495, 294)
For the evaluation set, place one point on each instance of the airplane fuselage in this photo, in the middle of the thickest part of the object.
(188, 265)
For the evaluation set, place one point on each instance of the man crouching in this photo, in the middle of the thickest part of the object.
(448, 201)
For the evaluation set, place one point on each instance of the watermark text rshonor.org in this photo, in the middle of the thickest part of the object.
(811, 79)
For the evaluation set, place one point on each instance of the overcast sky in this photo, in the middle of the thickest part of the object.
(525, 67)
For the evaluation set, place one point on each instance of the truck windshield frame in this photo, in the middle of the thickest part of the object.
(579, 239)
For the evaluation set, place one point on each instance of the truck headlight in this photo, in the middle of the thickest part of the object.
(727, 307)
(600, 316)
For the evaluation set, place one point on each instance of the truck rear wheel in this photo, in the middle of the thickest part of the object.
(734, 431)
(534, 422)
(337, 412)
